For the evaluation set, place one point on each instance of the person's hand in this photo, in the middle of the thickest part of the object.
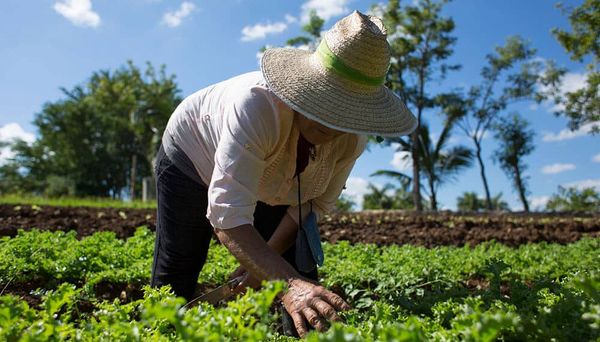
(247, 280)
(308, 301)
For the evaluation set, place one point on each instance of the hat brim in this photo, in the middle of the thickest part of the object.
(298, 79)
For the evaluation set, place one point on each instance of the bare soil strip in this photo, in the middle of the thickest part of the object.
(379, 227)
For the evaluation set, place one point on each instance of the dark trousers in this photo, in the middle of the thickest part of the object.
(183, 232)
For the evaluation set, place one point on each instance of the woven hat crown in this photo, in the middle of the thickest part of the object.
(360, 42)
(342, 83)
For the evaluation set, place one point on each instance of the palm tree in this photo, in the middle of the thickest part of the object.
(377, 198)
(469, 201)
(439, 164)
(498, 204)
(403, 198)
(404, 179)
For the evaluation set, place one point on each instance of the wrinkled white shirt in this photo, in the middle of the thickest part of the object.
(243, 140)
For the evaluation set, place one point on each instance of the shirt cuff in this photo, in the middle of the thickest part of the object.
(227, 217)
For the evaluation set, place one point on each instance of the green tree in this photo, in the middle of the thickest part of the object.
(103, 135)
(440, 164)
(12, 180)
(421, 40)
(378, 198)
(57, 186)
(28, 170)
(498, 204)
(582, 106)
(515, 142)
(344, 204)
(9, 173)
(403, 199)
(572, 199)
(469, 201)
(512, 65)
(313, 27)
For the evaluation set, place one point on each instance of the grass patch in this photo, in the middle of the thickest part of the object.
(96, 202)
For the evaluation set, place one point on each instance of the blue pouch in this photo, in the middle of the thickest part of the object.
(309, 252)
(311, 230)
(304, 258)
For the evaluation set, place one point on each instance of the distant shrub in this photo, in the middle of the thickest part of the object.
(57, 186)
(573, 199)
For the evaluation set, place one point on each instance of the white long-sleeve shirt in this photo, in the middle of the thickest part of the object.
(242, 141)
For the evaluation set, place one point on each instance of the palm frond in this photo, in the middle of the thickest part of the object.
(404, 179)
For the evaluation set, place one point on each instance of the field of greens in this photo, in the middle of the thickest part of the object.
(55, 286)
(91, 202)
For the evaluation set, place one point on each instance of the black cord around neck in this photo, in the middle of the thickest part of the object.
(299, 206)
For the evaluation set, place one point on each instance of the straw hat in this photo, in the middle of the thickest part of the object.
(340, 85)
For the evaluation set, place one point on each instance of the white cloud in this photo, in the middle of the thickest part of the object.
(567, 134)
(325, 9)
(399, 32)
(557, 168)
(401, 161)
(290, 19)
(10, 132)
(538, 202)
(571, 82)
(377, 9)
(586, 183)
(174, 18)
(79, 12)
(259, 55)
(13, 131)
(260, 31)
(356, 187)
(596, 158)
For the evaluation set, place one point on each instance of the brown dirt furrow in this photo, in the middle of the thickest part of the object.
(379, 227)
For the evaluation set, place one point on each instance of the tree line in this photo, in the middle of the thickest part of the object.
(101, 137)
(99, 140)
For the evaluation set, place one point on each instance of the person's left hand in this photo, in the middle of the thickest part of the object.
(247, 280)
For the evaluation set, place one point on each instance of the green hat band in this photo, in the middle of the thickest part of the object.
(333, 63)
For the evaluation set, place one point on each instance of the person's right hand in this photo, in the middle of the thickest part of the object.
(308, 301)
(246, 280)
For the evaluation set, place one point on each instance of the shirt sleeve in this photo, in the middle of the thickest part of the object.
(326, 202)
(249, 132)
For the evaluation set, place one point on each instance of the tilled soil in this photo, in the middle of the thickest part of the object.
(452, 229)
(379, 227)
(85, 220)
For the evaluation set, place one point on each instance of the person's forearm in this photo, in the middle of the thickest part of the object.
(285, 235)
(255, 254)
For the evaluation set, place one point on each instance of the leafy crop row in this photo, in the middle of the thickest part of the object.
(539, 291)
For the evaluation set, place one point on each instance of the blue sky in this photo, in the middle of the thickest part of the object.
(48, 44)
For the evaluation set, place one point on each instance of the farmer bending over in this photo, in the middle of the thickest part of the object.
(244, 157)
